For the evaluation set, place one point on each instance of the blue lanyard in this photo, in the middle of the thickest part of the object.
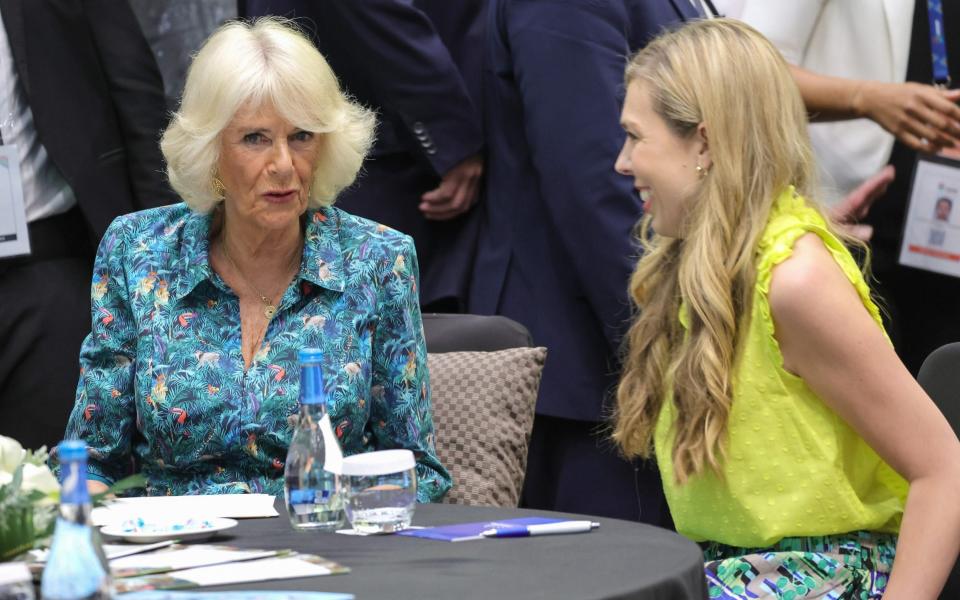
(938, 44)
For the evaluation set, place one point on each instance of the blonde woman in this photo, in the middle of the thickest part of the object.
(190, 372)
(791, 440)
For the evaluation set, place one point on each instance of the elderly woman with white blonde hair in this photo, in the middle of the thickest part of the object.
(190, 372)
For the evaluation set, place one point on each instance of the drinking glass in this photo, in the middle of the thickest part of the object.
(380, 489)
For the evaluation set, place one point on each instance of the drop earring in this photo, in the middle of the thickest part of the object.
(219, 190)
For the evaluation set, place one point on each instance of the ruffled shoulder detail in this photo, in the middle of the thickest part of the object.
(791, 217)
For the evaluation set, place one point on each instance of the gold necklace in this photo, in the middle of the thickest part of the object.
(269, 308)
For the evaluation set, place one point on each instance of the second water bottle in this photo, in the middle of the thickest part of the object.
(311, 475)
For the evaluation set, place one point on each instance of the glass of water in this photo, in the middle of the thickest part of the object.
(380, 490)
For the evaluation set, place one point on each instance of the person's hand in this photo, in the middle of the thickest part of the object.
(457, 192)
(96, 487)
(925, 118)
(953, 152)
(856, 205)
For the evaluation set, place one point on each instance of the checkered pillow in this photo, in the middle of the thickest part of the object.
(483, 412)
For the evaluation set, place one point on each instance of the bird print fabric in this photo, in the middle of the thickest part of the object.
(163, 389)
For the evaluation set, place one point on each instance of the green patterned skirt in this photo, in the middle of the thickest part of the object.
(850, 566)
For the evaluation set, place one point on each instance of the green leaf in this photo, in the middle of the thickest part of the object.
(27, 522)
(17, 534)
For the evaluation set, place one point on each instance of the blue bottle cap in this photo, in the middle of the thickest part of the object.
(72, 450)
(311, 377)
(309, 355)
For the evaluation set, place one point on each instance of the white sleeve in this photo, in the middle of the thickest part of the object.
(789, 24)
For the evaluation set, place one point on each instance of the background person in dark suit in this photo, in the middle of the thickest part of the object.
(85, 103)
(557, 243)
(418, 64)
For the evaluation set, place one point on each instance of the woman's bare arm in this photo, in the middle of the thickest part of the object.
(828, 338)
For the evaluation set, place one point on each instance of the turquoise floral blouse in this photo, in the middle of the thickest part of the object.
(163, 388)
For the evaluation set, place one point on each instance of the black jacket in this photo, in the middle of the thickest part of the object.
(96, 95)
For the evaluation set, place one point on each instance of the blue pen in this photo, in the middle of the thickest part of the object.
(542, 529)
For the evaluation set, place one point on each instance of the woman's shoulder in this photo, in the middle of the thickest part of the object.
(792, 218)
(809, 271)
(152, 220)
(791, 215)
(809, 286)
(156, 235)
(355, 231)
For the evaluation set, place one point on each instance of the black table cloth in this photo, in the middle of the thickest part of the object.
(621, 559)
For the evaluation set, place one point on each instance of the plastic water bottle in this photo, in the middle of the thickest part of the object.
(76, 567)
(311, 476)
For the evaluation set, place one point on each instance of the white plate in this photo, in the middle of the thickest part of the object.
(144, 530)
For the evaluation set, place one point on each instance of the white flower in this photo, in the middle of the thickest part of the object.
(35, 477)
(39, 478)
(11, 455)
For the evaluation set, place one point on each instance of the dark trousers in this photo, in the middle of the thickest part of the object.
(573, 466)
(44, 316)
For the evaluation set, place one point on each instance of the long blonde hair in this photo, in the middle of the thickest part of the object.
(726, 75)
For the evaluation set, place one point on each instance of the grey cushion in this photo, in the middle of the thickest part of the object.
(483, 406)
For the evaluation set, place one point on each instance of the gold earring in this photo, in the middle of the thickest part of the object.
(219, 190)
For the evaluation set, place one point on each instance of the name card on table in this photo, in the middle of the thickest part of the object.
(234, 506)
(175, 595)
(265, 569)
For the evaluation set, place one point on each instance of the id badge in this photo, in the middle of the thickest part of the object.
(931, 232)
(14, 238)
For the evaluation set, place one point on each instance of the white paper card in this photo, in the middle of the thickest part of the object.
(187, 557)
(14, 238)
(234, 595)
(255, 570)
(931, 235)
(333, 456)
(14, 572)
(234, 506)
(111, 551)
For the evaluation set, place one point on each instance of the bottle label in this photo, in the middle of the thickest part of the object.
(333, 455)
(73, 490)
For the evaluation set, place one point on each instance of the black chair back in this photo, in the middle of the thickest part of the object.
(473, 333)
(939, 376)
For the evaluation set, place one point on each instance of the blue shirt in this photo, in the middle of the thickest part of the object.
(163, 387)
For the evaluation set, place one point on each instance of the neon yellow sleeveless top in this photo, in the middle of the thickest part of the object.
(794, 467)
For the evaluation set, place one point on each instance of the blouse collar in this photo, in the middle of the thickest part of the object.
(321, 265)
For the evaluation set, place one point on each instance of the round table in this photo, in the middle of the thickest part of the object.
(621, 559)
